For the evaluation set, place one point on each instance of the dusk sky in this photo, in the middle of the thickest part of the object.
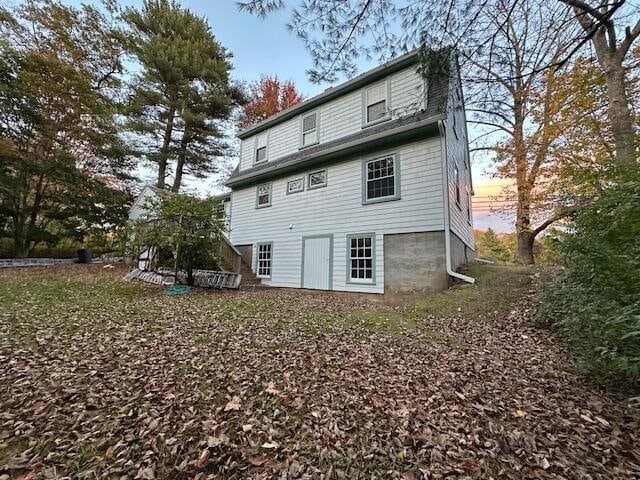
(264, 46)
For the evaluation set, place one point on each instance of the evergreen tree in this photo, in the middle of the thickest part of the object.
(491, 246)
(184, 81)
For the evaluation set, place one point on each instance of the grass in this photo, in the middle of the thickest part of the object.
(94, 364)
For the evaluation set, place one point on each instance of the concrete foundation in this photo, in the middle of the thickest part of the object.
(460, 253)
(415, 261)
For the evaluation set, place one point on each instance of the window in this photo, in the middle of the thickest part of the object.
(468, 205)
(456, 174)
(381, 179)
(310, 129)
(263, 260)
(263, 195)
(261, 148)
(317, 179)
(376, 108)
(361, 252)
(295, 186)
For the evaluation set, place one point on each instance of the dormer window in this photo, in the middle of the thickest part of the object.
(376, 100)
(261, 148)
(310, 129)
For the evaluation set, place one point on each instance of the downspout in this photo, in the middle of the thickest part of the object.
(447, 211)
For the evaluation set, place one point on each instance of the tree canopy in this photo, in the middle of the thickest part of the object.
(268, 96)
(64, 168)
(183, 94)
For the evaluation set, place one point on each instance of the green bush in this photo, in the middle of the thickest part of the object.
(594, 304)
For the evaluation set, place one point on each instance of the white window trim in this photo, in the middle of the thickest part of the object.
(266, 149)
(457, 194)
(387, 117)
(362, 281)
(257, 265)
(326, 179)
(270, 185)
(317, 129)
(396, 173)
(295, 180)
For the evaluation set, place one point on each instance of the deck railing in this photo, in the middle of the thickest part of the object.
(230, 256)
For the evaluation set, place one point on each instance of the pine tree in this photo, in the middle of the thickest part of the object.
(491, 246)
(184, 81)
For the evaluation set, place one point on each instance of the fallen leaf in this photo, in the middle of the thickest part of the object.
(233, 404)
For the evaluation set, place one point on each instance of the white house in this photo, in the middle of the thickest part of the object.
(140, 208)
(365, 187)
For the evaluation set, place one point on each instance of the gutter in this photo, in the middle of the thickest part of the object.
(379, 140)
(447, 210)
(330, 93)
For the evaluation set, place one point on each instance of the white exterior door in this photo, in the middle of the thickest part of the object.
(316, 263)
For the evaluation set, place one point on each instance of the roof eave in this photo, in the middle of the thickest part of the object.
(333, 92)
(374, 142)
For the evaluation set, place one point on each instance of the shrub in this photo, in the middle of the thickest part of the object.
(594, 304)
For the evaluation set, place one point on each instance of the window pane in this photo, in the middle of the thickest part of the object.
(317, 178)
(295, 185)
(310, 137)
(261, 154)
(381, 178)
(361, 258)
(264, 260)
(376, 111)
(309, 122)
(264, 194)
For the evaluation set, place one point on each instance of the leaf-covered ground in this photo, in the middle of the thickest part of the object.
(104, 379)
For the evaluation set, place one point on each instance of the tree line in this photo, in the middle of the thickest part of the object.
(90, 94)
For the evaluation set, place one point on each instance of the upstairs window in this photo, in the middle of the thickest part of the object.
(261, 148)
(310, 129)
(456, 176)
(381, 179)
(468, 205)
(376, 103)
(263, 196)
(263, 260)
(361, 258)
(317, 179)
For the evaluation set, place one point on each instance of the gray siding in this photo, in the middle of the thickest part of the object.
(457, 148)
(337, 209)
(339, 117)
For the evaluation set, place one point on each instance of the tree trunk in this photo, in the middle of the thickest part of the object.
(164, 151)
(524, 255)
(619, 113)
(182, 155)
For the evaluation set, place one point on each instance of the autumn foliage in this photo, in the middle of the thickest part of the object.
(269, 96)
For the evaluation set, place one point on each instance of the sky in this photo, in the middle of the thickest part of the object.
(264, 46)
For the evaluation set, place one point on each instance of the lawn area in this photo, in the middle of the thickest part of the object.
(101, 378)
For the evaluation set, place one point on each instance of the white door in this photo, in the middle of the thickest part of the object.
(316, 263)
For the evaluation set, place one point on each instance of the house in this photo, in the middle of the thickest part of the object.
(140, 208)
(365, 187)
